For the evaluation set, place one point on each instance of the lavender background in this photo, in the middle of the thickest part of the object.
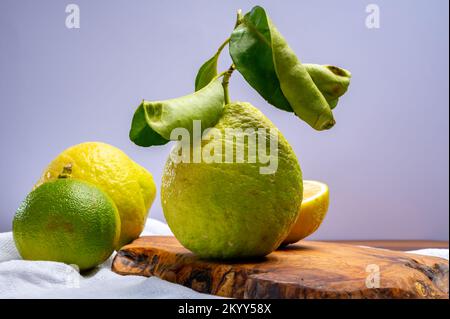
(386, 161)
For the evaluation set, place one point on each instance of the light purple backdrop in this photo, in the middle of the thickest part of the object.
(386, 161)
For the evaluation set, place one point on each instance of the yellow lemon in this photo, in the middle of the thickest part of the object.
(314, 207)
(130, 186)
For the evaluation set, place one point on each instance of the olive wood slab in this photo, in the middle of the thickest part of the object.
(307, 269)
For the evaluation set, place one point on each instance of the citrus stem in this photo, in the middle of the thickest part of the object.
(66, 171)
(226, 81)
(222, 46)
(227, 74)
(239, 18)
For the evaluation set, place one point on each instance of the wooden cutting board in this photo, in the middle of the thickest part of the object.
(305, 270)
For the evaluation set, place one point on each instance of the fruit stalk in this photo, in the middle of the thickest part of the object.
(226, 81)
(66, 171)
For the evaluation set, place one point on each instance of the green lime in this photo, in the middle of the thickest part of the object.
(68, 221)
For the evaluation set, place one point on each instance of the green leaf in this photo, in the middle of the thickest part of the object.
(331, 80)
(206, 73)
(141, 134)
(154, 121)
(263, 57)
(251, 52)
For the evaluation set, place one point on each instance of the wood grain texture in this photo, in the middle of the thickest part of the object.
(305, 270)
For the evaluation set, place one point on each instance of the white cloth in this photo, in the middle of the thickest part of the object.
(442, 253)
(44, 279)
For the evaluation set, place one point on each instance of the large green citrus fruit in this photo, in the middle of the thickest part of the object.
(232, 210)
